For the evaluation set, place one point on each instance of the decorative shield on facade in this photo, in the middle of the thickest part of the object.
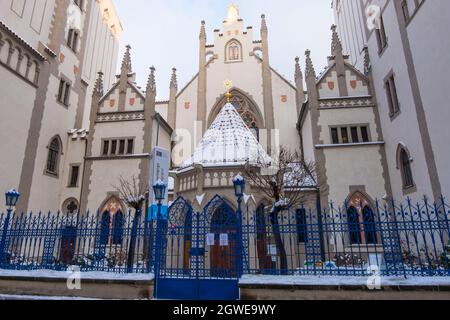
(187, 105)
(132, 101)
(284, 98)
(112, 102)
(61, 57)
(331, 85)
(75, 70)
(353, 84)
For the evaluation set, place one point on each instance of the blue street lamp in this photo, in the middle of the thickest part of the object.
(239, 188)
(159, 189)
(12, 196)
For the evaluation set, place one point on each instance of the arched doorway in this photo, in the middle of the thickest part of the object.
(361, 220)
(225, 253)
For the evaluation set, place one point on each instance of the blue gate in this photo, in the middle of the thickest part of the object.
(199, 254)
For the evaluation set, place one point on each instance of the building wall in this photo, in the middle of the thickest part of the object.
(38, 31)
(420, 77)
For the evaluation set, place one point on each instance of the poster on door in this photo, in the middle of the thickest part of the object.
(224, 239)
(210, 239)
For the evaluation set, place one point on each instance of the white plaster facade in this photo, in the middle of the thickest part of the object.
(35, 55)
(416, 54)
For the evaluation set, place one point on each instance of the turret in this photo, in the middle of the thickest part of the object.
(201, 93)
(300, 95)
(336, 52)
(171, 118)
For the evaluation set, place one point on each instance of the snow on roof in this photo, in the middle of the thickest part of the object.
(228, 142)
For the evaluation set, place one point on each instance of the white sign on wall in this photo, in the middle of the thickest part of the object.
(224, 239)
(210, 239)
(159, 170)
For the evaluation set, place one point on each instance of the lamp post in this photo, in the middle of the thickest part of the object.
(239, 188)
(12, 196)
(159, 189)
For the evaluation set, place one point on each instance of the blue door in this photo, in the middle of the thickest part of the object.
(199, 253)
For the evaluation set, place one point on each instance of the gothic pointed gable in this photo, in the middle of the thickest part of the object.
(328, 83)
(228, 142)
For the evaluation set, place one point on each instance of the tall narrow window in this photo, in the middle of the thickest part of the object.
(64, 92)
(130, 146)
(53, 156)
(121, 147)
(72, 39)
(381, 36)
(233, 51)
(365, 134)
(354, 131)
(105, 147)
(74, 176)
(344, 134)
(405, 163)
(354, 226)
(334, 135)
(113, 147)
(392, 97)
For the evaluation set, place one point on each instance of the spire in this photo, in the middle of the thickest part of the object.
(233, 13)
(298, 70)
(98, 88)
(126, 62)
(263, 23)
(151, 83)
(203, 31)
(173, 80)
(309, 70)
(336, 45)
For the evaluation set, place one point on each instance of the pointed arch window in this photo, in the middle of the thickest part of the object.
(112, 223)
(234, 51)
(54, 151)
(405, 167)
(361, 221)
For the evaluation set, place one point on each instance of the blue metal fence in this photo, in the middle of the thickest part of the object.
(396, 238)
(94, 242)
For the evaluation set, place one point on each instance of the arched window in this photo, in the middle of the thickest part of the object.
(54, 150)
(361, 221)
(405, 166)
(234, 51)
(70, 206)
(112, 223)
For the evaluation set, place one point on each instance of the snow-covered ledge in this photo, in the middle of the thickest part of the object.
(267, 287)
(93, 285)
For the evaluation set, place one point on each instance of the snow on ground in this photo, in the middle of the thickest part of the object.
(84, 275)
(342, 280)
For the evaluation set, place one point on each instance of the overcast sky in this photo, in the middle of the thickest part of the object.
(164, 33)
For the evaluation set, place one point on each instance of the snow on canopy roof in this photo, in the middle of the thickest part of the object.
(228, 142)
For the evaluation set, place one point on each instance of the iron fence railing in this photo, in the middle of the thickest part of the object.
(398, 239)
(94, 242)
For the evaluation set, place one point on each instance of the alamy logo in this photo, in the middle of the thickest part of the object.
(74, 279)
(374, 280)
(373, 15)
